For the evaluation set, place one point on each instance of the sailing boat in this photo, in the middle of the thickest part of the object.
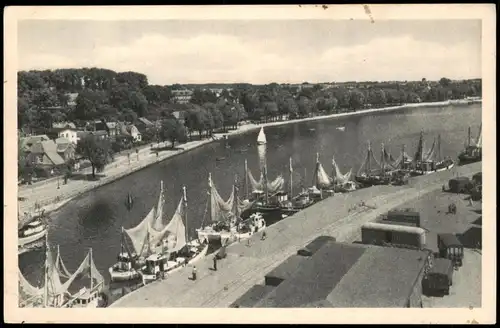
(342, 182)
(131, 260)
(261, 138)
(55, 293)
(369, 174)
(473, 150)
(226, 225)
(425, 161)
(298, 202)
(31, 228)
(266, 196)
(322, 182)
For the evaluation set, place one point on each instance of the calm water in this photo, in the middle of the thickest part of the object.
(95, 219)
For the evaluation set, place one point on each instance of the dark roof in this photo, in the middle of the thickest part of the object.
(403, 213)
(441, 265)
(49, 149)
(383, 277)
(285, 270)
(314, 281)
(252, 296)
(315, 245)
(449, 239)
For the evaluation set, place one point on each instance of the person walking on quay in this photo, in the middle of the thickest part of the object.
(194, 272)
(264, 235)
(215, 263)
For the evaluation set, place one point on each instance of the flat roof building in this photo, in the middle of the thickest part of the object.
(353, 275)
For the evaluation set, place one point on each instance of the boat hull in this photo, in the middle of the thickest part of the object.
(23, 241)
(199, 256)
(225, 237)
(123, 275)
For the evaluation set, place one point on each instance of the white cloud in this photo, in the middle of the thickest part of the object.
(221, 58)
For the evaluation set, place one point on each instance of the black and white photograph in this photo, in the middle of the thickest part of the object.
(326, 158)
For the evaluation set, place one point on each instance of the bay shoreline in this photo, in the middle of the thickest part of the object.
(148, 161)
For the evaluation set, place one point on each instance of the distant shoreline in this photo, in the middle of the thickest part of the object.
(241, 130)
(249, 127)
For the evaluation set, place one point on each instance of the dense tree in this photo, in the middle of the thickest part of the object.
(172, 130)
(356, 100)
(96, 151)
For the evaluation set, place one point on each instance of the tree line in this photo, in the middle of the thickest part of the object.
(125, 96)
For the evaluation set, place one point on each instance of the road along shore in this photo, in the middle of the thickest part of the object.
(50, 198)
(340, 216)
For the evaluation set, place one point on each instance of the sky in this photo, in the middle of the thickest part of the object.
(257, 51)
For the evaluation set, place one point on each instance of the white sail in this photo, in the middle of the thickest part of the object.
(261, 139)
(139, 234)
(322, 179)
(159, 223)
(340, 178)
(175, 231)
(479, 140)
(272, 186)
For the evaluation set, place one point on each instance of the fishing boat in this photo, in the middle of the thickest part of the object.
(266, 197)
(473, 149)
(170, 249)
(56, 293)
(322, 183)
(261, 138)
(226, 225)
(297, 202)
(372, 172)
(131, 259)
(32, 229)
(425, 162)
(342, 183)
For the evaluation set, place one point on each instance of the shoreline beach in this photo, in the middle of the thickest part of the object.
(51, 198)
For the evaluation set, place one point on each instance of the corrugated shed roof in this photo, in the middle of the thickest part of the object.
(314, 281)
(252, 296)
(383, 277)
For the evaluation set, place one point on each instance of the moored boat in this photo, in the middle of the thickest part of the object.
(55, 291)
(430, 161)
(473, 149)
(32, 229)
(226, 225)
(372, 173)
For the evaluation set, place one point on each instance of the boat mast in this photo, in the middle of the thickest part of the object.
(368, 158)
(468, 138)
(403, 157)
(246, 179)
(439, 148)
(185, 210)
(291, 179)
(382, 161)
(90, 266)
(46, 283)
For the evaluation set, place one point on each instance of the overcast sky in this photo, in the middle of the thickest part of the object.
(291, 51)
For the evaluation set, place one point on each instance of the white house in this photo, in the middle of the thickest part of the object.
(70, 134)
(134, 132)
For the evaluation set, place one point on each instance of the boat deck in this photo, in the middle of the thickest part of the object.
(247, 264)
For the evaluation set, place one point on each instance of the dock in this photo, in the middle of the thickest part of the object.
(246, 265)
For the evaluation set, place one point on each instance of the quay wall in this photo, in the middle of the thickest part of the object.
(246, 265)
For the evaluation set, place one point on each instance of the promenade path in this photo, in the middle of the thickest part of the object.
(50, 197)
(340, 216)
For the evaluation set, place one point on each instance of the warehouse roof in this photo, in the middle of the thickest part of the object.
(449, 239)
(383, 277)
(287, 268)
(252, 296)
(315, 245)
(314, 281)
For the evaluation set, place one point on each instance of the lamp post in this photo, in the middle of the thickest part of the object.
(58, 184)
